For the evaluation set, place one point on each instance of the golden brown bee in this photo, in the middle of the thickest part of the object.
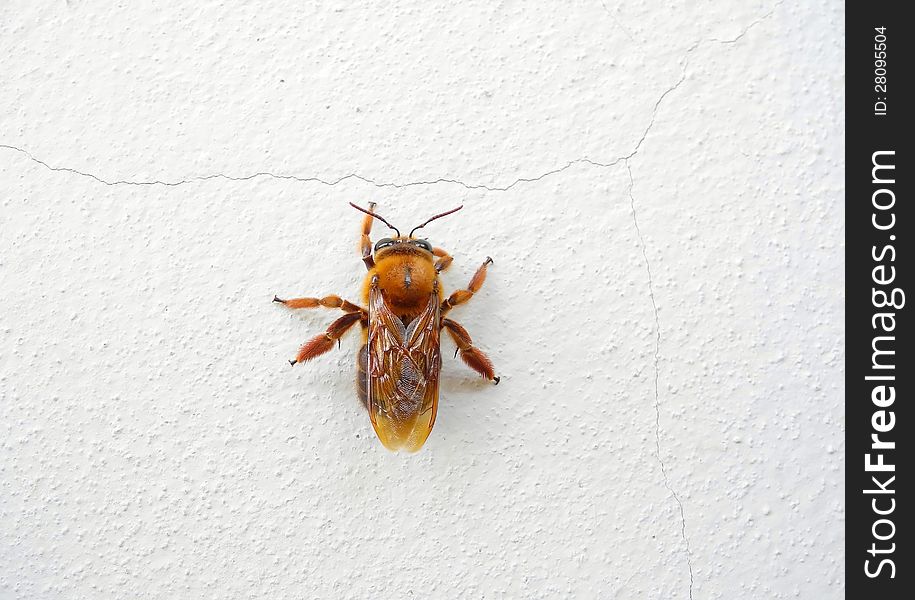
(397, 370)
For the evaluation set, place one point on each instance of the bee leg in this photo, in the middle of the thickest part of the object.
(462, 296)
(365, 242)
(444, 259)
(472, 356)
(320, 344)
(331, 301)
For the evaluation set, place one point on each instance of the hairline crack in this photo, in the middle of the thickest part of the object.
(392, 184)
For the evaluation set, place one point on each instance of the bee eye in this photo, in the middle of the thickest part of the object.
(422, 244)
(384, 243)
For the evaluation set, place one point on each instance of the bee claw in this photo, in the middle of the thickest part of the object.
(496, 380)
(277, 299)
(292, 363)
(488, 260)
(455, 352)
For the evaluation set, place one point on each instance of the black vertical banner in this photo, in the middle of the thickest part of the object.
(880, 371)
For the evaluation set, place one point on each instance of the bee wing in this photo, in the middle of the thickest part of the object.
(403, 373)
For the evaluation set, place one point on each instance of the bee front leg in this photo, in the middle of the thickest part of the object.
(444, 259)
(462, 296)
(320, 344)
(365, 242)
(472, 356)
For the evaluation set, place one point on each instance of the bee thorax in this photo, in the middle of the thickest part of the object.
(406, 282)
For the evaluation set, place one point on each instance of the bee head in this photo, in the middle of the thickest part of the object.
(403, 244)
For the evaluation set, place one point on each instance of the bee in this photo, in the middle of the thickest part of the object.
(399, 363)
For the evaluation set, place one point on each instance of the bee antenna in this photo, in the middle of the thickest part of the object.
(438, 216)
(377, 216)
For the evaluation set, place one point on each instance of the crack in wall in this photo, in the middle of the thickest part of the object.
(330, 182)
(657, 353)
(390, 184)
(657, 375)
(618, 22)
(625, 159)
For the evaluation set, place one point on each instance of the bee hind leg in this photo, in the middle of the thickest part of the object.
(320, 344)
(472, 356)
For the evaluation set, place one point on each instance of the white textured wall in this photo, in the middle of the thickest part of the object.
(660, 185)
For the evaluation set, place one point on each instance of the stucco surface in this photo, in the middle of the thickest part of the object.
(660, 186)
